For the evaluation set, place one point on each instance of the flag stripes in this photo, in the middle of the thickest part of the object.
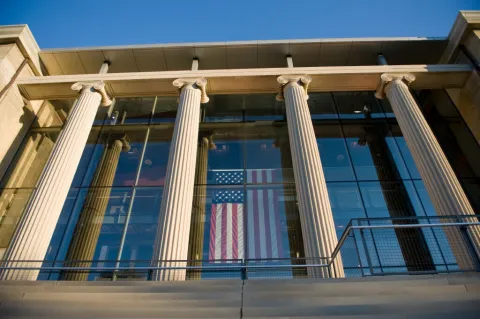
(261, 238)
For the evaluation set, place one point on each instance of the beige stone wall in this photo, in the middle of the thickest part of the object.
(467, 99)
(16, 117)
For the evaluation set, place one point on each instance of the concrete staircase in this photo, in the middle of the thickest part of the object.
(433, 296)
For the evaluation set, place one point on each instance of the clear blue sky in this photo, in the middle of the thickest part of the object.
(68, 23)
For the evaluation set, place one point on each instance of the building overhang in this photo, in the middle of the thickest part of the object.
(340, 78)
(244, 55)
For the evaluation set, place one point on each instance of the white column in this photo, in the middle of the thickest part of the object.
(176, 210)
(35, 229)
(442, 185)
(319, 237)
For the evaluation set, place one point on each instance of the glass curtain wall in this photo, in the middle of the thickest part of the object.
(244, 184)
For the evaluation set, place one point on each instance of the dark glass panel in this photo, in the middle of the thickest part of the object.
(263, 107)
(31, 157)
(131, 110)
(142, 225)
(154, 164)
(357, 105)
(165, 109)
(224, 108)
(333, 153)
(472, 188)
(321, 106)
(437, 101)
(374, 154)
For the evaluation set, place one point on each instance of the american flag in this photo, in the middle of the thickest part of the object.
(245, 227)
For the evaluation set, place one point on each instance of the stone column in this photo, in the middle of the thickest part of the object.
(316, 218)
(173, 231)
(198, 207)
(440, 181)
(35, 229)
(89, 224)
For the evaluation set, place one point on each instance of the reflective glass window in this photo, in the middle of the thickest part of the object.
(224, 108)
(165, 109)
(12, 205)
(154, 164)
(131, 110)
(116, 158)
(321, 106)
(357, 105)
(28, 163)
(333, 153)
(267, 154)
(142, 225)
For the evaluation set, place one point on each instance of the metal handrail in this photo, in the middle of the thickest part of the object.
(243, 266)
(351, 227)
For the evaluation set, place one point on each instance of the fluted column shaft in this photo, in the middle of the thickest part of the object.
(173, 230)
(441, 183)
(89, 225)
(198, 207)
(316, 217)
(35, 229)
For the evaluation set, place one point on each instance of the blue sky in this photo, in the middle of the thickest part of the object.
(67, 23)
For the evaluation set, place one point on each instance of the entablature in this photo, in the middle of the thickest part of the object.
(344, 78)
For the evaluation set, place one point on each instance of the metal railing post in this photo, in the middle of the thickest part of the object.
(367, 252)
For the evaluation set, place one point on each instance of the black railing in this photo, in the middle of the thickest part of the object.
(367, 247)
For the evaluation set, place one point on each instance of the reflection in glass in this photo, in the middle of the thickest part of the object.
(141, 230)
(224, 108)
(333, 153)
(228, 154)
(374, 154)
(12, 204)
(357, 105)
(132, 110)
(82, 246)
(154, 164)
(390, 199)
(346, 204)
(104, 229)
(263, 107)
(28, 163)
(263, 153)
(321, 106)
(165, 109)
(53, 113)
(195, 250)
(128, 161)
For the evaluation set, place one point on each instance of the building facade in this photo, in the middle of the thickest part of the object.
(226, 160)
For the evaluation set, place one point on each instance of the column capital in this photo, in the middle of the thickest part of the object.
(98, 87)
(193, 83)
(387, 78)
(122, 139)
(292, 80)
